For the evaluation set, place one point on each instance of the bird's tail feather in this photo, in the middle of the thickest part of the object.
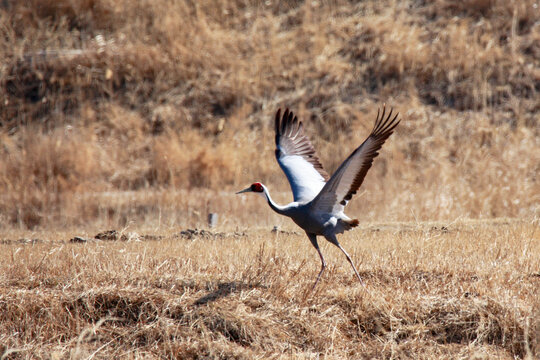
(349, 224)
(354, 222)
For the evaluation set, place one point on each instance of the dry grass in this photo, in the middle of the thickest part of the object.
(103, 97)
(147, 115)
(432, 290)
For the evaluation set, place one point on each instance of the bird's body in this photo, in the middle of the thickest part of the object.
(316, 222)
(320, 200)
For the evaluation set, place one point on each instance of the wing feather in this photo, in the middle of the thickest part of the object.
(348, 178)
(297, 157)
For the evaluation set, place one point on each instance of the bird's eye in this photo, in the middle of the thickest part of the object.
(257, 187)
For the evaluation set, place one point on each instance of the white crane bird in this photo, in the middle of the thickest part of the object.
(319, 201)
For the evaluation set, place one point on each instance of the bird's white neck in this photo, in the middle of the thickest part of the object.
(282, 210)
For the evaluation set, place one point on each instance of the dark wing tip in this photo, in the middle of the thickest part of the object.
(276, 122)
(384, 125)
(288, 124)
(285, 120)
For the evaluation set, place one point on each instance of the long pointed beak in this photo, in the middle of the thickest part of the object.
(245, 190)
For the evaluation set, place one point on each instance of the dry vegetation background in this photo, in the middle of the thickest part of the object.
(146, 115)
(127, 111)
(468, 290)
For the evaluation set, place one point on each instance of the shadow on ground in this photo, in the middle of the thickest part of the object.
(223, 290)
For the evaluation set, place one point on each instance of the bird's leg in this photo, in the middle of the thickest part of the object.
(323, 266)
(350, 262)
(334, 241)
(313, 239)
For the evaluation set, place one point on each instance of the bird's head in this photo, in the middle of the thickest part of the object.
(255, 187)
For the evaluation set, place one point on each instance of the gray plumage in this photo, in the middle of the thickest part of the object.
(319, 201)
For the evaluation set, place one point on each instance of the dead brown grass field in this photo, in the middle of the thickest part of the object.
(147, 115)
(469, 289)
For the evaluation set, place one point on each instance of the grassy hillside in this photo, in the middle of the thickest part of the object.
(155, 111)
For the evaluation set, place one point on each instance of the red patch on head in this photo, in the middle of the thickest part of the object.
(257, 187)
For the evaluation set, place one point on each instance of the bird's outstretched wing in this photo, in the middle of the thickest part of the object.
(297, 158)
(350, 175)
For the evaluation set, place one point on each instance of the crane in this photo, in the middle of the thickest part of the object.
(320, 200)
